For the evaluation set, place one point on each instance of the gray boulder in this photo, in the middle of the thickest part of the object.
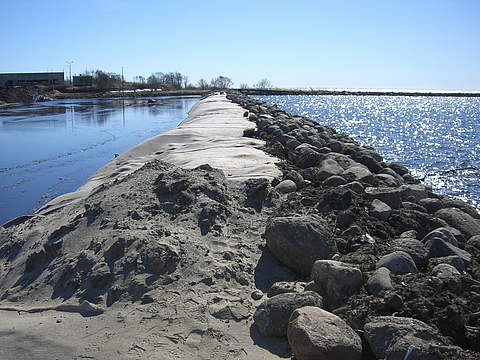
(380, 282)
(398, 168)
(447, 277)
(389, 180)
(296, 178)
(358, 173)
(271, 317)
(390, 196)
(399, 263)
(457, 219)
(336, 279)
(441, 233)
(453, 260)
(431, 204)
(304, 156)
(300, 241)
(418, 191)
(380, 210)
(314, 334)
(286, 187)
(392, 337)
(334, 181)
(328, 168)
(415, 248)
(282, 287)
(440, 248)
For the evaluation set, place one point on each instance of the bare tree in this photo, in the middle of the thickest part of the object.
(263, 84)
(154, 82)
(244, 86)
(139, 79)
(105, 80)
(221, 82)
(202, 84)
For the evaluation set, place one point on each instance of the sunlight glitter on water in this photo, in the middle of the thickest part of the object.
(437, 138)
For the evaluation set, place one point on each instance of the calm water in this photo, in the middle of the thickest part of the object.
(437, 138)
(51, 148)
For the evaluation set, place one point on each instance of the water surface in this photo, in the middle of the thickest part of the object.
(51, 148)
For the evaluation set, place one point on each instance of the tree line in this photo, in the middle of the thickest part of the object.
(170, 80)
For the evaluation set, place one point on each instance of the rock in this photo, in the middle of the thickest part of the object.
(440, 248)
(410, 234)
(257, 294)
(418, 191)
(380, 210)
(462, 205)
(282, 287)
(271, 317)
(286, 187)
(391, 337)
(336, 279)
(399, 263)
(447, 277)
(343, 160)
(328, 168)
(334, 181)
(304, 156)
(380, 282)
(415, 248)
(390, 196)
(314, 333)
(393, 300)
(441, 233)
(398, 168)
(432, 205)
(299, 241)
(296, 178)
(355, 186)
(459, 220)
(370, 163)
(358, 173)
(388, 180)
(453, 260)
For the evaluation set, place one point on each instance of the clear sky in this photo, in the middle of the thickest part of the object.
(349, 44)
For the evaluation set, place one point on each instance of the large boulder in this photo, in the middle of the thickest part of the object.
(271, 317)
(358, 173)
(393, 337)
(380, 210)
(442, 233)
(380, 282)
(390, 196)
(314, 334)
(398, 262)
(457, 219)
(440, 248)
(415, 248)
(300, 241)
(328, 168)
(336, 279)
(447, 277)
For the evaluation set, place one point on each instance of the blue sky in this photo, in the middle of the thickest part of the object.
(342, 44)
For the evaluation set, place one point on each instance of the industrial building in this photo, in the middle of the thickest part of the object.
(83, 80)
(40, 78)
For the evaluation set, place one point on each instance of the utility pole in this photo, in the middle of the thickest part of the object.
(70, 65)
(122, 82)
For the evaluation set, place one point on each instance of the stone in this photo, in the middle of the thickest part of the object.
(415, 248)
(380, 210)
(314, 333)
(300, 241)
(380, 282)
(388, 180)
(453, 260)
(393, 300)
(336, 279)
(457, 219)
(418, 191)
(271, 317)
(286, 187)
(391, 337)
(296, 178)
(441, 233)
(282, 287)
(370, 163)
(447, 277)
(355, 186)
(334, 181)
(462, 205)
(432, 205)
(304, 156)
(257, 294)
(390, 196)
(328, 168)
(410, 234)
(398, 168)
(440, 248)
(399, 263)
(343, 160)
(358, 173)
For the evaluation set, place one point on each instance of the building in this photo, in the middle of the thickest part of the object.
(40, 78)
(83, 80)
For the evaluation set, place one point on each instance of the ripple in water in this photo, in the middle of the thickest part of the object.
(437, 138)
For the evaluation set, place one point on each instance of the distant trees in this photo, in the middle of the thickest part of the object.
(139, 80)
(202, 84)
(221, 82)
(263, 84)
(105, 80)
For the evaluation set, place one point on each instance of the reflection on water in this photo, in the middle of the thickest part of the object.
(51, 148)
(437, 138)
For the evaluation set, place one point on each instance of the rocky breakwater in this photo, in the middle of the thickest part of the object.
(385, 268)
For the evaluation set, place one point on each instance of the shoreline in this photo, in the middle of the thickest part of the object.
(177, 257)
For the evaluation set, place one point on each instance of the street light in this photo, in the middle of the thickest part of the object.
(70, 65)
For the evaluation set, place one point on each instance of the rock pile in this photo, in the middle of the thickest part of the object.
(397, 262)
